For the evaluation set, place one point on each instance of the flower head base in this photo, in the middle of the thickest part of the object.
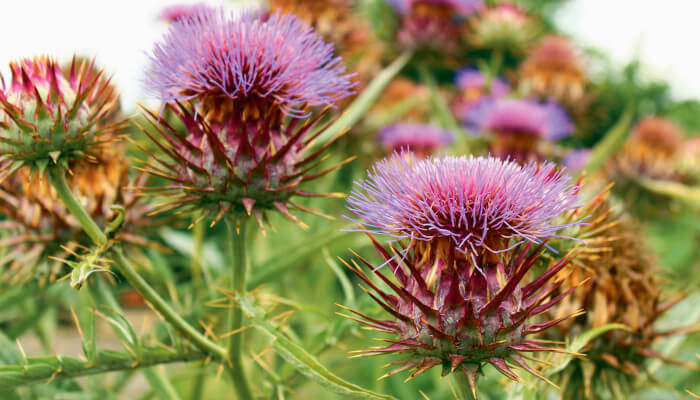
(459, 319)
(422, 139)
(433, 24)
(554, 69)
(477, 92)
(504, 27)
(458, 208)
(623, 287)
(51, 117)
(520, 125)
(181, 11)
(228, 62)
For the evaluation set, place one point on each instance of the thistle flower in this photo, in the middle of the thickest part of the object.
(459, 208)
(477, 91)
(51, 117)
(433, 23)
(554, 69)
(177, 12)
(422, 139)
(519, 126)
(575, 160)
(239, 63)
(451, 309)
(503, 27)
(623, 287)
(237, 153)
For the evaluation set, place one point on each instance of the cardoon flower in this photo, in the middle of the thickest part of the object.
(422, 139)
(433, 24)
(555, 69)
(575, 160)
(477, 91)
(50, 117)
(503, 27)
(250, 80)
(623, 287)
(460, 298)
(179, 11)
(460, 208)
(519, 126)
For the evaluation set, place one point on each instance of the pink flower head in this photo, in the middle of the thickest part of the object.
(461, 8)
(471, 204)
(245, 63)
(177, 12)
(546, 121)
(575, 160)
(477, 90)
(422, 139)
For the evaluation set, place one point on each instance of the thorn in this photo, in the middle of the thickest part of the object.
(248, 204)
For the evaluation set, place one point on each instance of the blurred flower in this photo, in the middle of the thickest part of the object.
(434, 24)
(689, 161)
(519, 126)
(575, 160)
(238, 63)
(245, 75)
(177, 12)
(555, 69)
(460, 296)
(459, 208)
(50, 117)
(503, 27)
(476, 90)
(623, 287)
(421, 139)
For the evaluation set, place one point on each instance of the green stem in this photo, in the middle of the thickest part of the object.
(464, 389)
(160, 384)
(198, 235)
(236, 241)
(57, 176)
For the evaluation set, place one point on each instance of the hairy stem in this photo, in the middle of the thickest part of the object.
(57, 176)
(236, 241)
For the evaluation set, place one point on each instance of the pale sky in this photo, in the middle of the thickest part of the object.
(120, 33)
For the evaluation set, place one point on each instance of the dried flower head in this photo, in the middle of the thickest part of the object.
(433, 24)
(477, 91)
(623, 287)
(504, 27)
(422, 139)
(520, 125)
(555, 69)
(458, 208)
(241, 63)
(51, 117)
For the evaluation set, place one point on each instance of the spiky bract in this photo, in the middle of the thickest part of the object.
(555, 69)
(231, 62)
(422, 139)
(460, 207)
(455, 317)
(50, 117)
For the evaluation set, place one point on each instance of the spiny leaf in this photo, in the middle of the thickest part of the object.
(581, 341)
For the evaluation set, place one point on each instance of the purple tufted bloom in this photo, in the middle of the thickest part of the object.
(474, 205)
(575, 160)
(422, 139)
(228, 61)
(461, 8)
(177, 12)
(477, 92)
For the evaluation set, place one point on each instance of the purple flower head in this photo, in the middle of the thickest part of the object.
(247, 63)
(475, 205)
(476, 95)
(177, 12)
(422, 139)
(462, 8)
(514, 116)
(471, 78)
(575, 160)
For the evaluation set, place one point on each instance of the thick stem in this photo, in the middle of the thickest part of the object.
(57, 176)
(464, 389)
(236, 241)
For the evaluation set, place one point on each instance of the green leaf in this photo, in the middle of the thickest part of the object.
(342, 278)
(304, 362)
(687, 194)
(365, 100)
(122, 328)
(611, 142)
(581, 341)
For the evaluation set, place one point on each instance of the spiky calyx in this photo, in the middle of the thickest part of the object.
(53, 117)
(623, 287)
(448, 315)
(555, 69)
(239, 167)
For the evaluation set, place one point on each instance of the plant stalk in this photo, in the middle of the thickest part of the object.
(236, 241)
(464, 389)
